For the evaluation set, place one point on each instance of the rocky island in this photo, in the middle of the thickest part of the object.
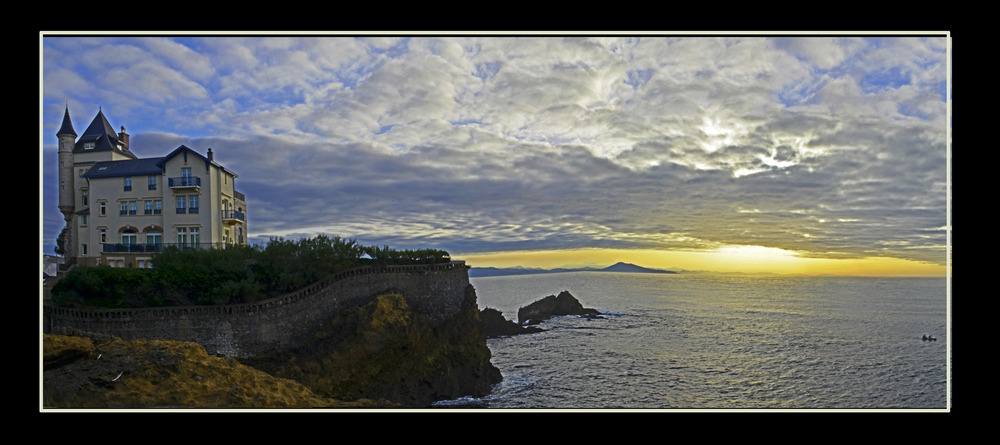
(552, 306)
(496, 325)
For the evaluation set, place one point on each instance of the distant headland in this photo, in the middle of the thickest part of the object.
(617, 267)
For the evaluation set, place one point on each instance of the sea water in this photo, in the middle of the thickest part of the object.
(694, 341)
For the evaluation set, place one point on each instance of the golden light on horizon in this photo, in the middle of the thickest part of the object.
(729, 259)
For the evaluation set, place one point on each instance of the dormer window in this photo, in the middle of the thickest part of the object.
(88, 145)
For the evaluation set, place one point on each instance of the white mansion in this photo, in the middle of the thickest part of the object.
(121, 209)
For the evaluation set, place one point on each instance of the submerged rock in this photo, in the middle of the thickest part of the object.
(552, 306)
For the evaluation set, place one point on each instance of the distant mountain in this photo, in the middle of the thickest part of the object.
(627, 267)
(618, 267)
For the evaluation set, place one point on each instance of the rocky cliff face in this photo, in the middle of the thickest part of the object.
(377, 355)
(385, 350)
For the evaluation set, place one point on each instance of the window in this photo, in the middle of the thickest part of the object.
(83, 249)
(128, 183)
(86, 198)
(131, 208)
(186, 179)
(88, 145)
(181, 236)
(152, 183)
(182, 204)
(154, 237)
(102, 206)
(193, 204)
(157, 207)
(128, 238)
(148, 210)
(104, 235)
(83, 220)
(124, 208)
(195, 237)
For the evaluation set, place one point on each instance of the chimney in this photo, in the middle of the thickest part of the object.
(124, 138)
(211, 157)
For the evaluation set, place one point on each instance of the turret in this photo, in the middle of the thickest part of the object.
(67, 187)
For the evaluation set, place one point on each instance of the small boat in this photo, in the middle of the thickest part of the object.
(929, 338)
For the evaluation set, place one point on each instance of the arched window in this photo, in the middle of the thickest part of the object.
(154, 238)
(129, 237)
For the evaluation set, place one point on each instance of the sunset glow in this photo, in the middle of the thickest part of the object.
(732, 259)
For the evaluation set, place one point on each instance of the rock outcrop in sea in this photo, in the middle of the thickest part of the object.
(554, 305)
(496, 325)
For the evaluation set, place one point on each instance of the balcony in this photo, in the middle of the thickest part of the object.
(233, 217)
(184, 182)
(158, 247)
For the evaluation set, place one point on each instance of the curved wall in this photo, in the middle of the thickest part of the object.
(245, 330)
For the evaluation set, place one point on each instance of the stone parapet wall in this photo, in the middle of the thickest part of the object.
(245, 330)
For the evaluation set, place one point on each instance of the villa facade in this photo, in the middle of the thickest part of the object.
(121, 209)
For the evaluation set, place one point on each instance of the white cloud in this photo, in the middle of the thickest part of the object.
(497, 143)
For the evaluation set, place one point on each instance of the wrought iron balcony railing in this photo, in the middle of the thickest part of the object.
(158, 247)
(233, 216)
(184, 182)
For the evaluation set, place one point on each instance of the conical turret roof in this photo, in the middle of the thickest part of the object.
(67, 125)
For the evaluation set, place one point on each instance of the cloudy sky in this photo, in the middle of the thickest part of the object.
(664, 150)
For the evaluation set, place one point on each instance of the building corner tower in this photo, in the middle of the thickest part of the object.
(67, 187)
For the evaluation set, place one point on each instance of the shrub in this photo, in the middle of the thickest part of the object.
(238, 274)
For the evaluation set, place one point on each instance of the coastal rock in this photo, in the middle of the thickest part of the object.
(383, 354)
(386, 350)
(495, 325)
(554, 305)
(94, 373)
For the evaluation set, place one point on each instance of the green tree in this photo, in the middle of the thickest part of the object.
(60, 248)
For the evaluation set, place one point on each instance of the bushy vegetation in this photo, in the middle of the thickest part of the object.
(239, 274)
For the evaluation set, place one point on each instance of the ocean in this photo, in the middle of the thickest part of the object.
(722, 342)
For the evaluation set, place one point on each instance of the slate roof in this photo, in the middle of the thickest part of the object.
(67, 126)
(129, 167)
(101, 133)
(183, 148)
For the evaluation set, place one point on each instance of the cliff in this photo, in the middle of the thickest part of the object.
(386, 350)
(380, 354)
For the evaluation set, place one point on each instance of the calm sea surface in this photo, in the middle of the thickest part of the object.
(692, 341)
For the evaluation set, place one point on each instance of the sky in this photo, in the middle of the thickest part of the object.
(807, 153)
